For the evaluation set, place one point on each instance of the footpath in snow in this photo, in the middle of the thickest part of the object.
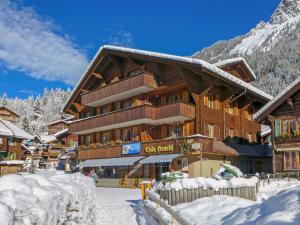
(118, 206)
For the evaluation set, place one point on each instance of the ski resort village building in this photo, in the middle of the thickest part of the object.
(282, 114)
(143, 113)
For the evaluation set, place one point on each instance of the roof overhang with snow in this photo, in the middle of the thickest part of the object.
(277, 101)
(186, 62)
(9, 110)
(238, 64)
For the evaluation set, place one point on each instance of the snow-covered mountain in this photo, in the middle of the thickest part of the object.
(272, 48)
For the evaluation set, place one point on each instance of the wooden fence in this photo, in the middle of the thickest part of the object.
(176, 218)
(188, 195)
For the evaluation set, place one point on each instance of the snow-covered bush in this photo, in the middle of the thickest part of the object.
(42, 199)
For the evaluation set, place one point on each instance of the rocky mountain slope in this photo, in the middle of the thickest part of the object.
(271, 48)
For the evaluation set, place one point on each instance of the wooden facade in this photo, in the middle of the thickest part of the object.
(283, 116)
(8, 114)
(126, 97)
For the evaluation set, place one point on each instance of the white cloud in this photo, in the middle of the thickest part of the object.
(116, 35)
(30, 44)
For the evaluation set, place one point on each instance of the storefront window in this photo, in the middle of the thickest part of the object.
(287, 160)
(294, 160)
(146, 170)
(161, 168)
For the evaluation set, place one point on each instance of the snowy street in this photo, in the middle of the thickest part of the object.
(118, 206)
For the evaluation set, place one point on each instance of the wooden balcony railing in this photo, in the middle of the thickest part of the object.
(96, 152)
(136, 85)
(287, 139)
(141, 114)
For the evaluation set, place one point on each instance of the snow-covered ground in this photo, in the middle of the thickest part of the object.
(278, 203)
(118, 206)
(47, 199)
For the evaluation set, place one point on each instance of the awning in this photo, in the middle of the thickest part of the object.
(159, 158)
(123, 161)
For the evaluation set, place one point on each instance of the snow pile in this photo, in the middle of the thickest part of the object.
(278, 203)
(283, 208)
(205, 183)
(171, 177)
(227, 172)
(46, 199)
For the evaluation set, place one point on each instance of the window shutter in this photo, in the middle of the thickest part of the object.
(277, 128)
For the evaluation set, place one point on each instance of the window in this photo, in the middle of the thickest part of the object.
(126, 134)
(249, 113)
(231, 132)
(105, 137)
(294, 158)
(287, 160)
(175, 131)
(292, 127)
(104, 109)
(211, 130)
(277, 126)
(232, 108)
(285, 126)
(87, 140)
(250, 137)
(126, 104)
(174, 98)
(211, 101)
(185, 165)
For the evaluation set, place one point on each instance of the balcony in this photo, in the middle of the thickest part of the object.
(122, 89)
(144, 114)
(287, 139)
(115, 151)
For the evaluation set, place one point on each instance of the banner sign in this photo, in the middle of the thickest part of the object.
(131, 149)
(159, 149)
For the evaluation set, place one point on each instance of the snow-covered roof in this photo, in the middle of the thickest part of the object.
(10, 110)
(265, 130)
(59, 121)
(228, 62)
(46, 138)
(221, 74)
(9, 129)
(275, 101)
(62, 132)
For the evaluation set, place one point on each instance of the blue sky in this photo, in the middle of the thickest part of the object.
(49, 43)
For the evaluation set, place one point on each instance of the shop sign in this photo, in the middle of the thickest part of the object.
(197, 146)
(131, 149)
(159, 149)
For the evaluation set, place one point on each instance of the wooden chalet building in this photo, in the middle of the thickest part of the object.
(143, 113)
(282, 114)
(8, 114)
(11, 137)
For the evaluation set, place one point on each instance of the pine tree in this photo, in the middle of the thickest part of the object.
(25, 124)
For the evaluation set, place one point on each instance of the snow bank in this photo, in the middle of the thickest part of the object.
(44, 199)
(279, 203)
(205, 183)
(283, 208)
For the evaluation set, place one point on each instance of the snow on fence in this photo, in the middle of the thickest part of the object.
(160, 215)
(188, 195)
(45, 199)
(190, 189)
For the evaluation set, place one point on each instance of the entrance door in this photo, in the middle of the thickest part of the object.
(160, 168)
